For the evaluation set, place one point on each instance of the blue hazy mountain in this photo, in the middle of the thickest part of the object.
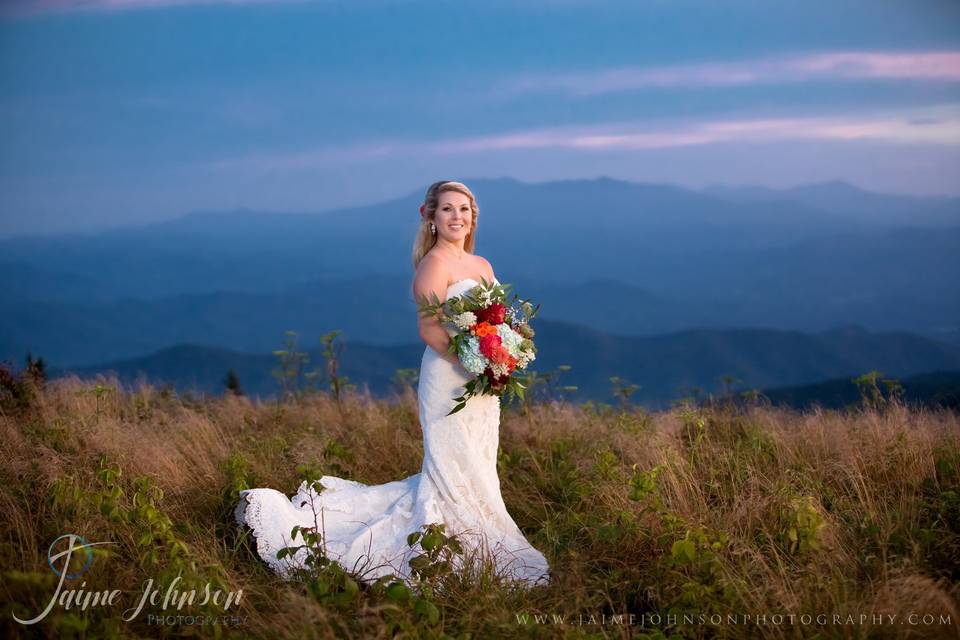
(934, 389)
(569, 230)
(843, 198)
(372, 309)
(666, 366)
(619, 257)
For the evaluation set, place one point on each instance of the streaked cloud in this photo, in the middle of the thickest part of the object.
(27, 8)
(927, 66)
(938, 125)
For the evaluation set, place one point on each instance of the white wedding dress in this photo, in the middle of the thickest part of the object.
(366, 526)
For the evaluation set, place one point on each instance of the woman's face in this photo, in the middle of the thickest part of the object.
(454, 217)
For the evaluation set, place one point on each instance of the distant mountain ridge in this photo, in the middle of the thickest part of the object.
(846, 199)
(620, 257)
(934, 389)
(666, 366)
(650, 258)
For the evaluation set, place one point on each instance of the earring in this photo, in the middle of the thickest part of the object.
(433, 228)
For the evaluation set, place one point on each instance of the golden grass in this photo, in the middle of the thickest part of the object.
(871, 496)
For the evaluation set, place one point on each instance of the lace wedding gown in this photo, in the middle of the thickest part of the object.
(366, 526)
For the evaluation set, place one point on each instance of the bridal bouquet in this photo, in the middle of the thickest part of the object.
(492, 337)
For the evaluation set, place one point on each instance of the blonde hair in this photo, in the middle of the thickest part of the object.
(425, 240)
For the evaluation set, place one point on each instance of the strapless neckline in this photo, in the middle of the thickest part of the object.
(452, 284)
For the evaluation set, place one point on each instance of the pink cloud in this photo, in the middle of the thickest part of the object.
(937, 125)
(940, 66)
(28, 8)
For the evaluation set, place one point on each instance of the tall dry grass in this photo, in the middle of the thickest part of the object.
(719, 511)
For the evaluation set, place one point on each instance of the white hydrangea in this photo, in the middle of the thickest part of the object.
(510, 339)
(465, 320)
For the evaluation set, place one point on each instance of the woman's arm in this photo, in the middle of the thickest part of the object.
(431, 279)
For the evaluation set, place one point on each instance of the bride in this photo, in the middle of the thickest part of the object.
(366, 526)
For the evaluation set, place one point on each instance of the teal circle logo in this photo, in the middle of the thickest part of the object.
(65, 551)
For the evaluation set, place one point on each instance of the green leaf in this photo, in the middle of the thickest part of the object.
(398, 592)
(430, 541)
(350, 586)
(428, 610)
(684, 550)
(319, 588)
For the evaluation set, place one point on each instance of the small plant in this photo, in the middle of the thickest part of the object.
(16, 391)
(872, 397)
(693, 431)
(291, 364)
(753, 397)
(728, 381)
(326, 580)
(643, 485)
(623, 390)
(428, 570)
(439, 549)
(99, 391)
(542, 386)
(333, 454)
(331, 353)
(802, 525)
(692, 394)
(232, 383)
(330, 583)
(694, 559)
(148, 530)
(239, 477)
(697, 557)
(728, 397)
(405, 379)
(36, 370)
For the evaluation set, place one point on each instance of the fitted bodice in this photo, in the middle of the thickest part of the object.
(458, 287)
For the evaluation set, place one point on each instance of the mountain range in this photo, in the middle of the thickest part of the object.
(666, 367)
(611, 262)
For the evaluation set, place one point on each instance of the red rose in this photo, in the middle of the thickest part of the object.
(494, 314)
(489, 345)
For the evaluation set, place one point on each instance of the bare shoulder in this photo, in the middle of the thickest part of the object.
(486, 267)
(431, 278)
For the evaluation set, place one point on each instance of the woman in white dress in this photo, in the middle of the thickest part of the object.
(365, 527)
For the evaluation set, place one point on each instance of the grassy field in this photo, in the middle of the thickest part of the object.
(829, 524)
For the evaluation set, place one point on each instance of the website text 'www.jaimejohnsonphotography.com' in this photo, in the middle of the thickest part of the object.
(657, 620)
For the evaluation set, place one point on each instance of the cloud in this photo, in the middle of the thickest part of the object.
(928, 66)
(28, 8)
(937, 125)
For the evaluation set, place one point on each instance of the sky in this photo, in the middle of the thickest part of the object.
(118, 112)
